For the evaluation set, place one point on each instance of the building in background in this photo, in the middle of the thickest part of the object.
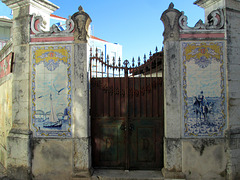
(5, 30)
(110, 52)
(58, 21)
(107, 49)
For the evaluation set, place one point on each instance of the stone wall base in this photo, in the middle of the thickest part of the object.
(19, 155)
(83, 174)
(52, 158)
(173, 174)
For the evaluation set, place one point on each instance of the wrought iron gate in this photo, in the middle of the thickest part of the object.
(127, 113)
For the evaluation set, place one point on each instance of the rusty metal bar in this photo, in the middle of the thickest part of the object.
(102, 64)
(96, 60)
(91, 63)
(126, 116)
(108, 98)
(139, 78)
(102, 86)
(113, 88)
(119, 64)
(96, 67)
(145, 83)
(151, 84)
(157, 85)
(133, 61)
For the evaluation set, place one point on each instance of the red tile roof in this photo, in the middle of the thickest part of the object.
(93, 37)
(55, 16)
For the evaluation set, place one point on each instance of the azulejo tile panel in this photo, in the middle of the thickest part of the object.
(203, 89)
(51, 110)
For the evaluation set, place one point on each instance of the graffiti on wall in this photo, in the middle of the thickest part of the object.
(203, 89)
(51, 91)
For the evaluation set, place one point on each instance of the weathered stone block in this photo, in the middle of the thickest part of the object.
(52, 159)
(20, 115)
(233, 85)
(204, 159)
(21, 36)
(21, 90)
(80, 91)
(18, 162)
(21, 71)
(234, 115)
(21, 11)
(173, 124)
(173, 154)
(235, 153)
(82, 154)
(21, 55)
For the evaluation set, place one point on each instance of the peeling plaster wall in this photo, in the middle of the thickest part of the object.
(52, 159)
(6, 80)
(5, 116)
(205, 159)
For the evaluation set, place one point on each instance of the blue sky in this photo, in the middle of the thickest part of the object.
(135, 24)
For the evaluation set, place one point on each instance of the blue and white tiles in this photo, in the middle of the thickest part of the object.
(51, 92)
(203, 89)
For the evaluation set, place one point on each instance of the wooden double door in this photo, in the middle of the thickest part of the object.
(127, 122)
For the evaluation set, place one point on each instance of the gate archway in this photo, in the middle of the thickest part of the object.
(127, 113)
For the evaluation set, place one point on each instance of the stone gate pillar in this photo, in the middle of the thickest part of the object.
(19, 139)
(232, 22)
(82, 141)
(202, 92)
(172, 94)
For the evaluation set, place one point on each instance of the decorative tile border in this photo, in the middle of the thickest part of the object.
(51, 111)
(203, 89)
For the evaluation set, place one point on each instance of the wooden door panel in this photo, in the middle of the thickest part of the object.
(145, 144)
(136, 102)
(108, 143)
(145, 140)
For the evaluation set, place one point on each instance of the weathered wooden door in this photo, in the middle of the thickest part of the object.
(126, 117)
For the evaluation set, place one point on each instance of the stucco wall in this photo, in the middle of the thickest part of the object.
(5, 115)
(205, 159)
(6, 77)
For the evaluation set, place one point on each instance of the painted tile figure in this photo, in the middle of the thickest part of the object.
(51, 91)
(204, 93)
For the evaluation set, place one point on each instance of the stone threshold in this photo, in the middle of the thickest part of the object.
(104, 174)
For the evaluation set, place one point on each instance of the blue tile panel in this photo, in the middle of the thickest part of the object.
(51, 91)
(203, 89)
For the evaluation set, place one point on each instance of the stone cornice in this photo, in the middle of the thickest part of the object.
(44, 3)
(205, 3)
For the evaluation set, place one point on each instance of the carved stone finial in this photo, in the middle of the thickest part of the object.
(82, 21)
(170, 20)
(171, 6)
(80, 8)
